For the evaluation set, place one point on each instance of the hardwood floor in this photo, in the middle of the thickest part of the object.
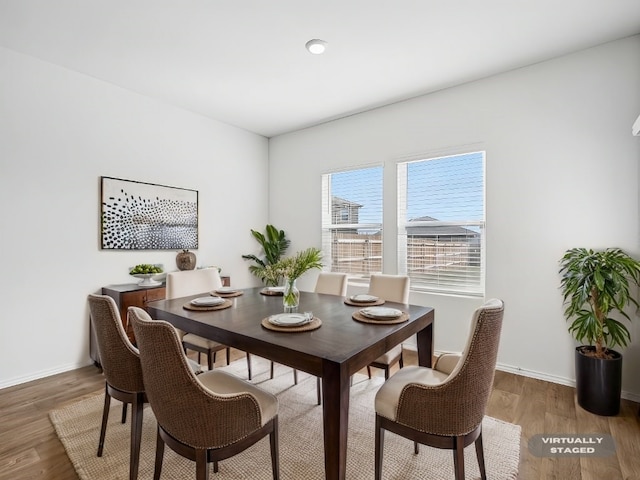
(30, 449)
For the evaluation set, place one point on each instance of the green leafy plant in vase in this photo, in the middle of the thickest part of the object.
(291, 268)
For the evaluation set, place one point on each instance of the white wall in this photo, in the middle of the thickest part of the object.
(561, 171)
(59, 132)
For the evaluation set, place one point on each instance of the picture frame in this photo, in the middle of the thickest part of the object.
(137, 215)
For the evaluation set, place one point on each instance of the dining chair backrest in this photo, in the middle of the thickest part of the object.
(119, 358)
(191, 282)
(471, 381)
(392, 288)
(199, 415)
(487, 320)
(332, 283)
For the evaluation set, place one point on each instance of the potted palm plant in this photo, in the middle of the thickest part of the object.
(274, 244)
(594, 285)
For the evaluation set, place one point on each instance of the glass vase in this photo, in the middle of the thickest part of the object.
(290, 296)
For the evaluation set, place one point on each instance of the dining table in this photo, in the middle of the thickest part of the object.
(337, 347)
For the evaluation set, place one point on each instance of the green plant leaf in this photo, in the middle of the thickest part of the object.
(274, 244)
(594, 284)
(294, 267)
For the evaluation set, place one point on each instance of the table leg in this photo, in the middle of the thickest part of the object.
(335, 418)
(425, 346)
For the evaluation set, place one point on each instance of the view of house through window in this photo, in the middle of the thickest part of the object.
(440, 228)
(441, 223)
(352, 221)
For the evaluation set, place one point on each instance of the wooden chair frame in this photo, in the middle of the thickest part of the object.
(202, 457)
(455, 443)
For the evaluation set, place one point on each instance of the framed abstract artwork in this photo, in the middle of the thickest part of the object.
(143, 216)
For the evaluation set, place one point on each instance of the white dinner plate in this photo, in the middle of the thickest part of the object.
(381, 312)
(363, 298)
(288, 319)
(207, 301)
(226, 290)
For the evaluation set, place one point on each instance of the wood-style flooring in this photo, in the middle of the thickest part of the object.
(30, 449)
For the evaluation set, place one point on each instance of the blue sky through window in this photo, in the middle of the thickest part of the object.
(361, 186)
(446, 189)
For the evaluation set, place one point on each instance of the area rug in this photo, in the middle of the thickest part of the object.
(301, 447)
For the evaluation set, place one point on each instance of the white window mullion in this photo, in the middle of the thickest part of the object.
(402, 215)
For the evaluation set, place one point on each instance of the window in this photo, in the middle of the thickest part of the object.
(352, 221)
(441, 223)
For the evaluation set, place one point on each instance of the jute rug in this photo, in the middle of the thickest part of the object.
(301, 446)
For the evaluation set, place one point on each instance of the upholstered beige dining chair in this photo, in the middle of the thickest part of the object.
(444, 406)
(191, 282)
(122, 371)
(121, 367)
(331, 283)
(207, 418)
(392, 288)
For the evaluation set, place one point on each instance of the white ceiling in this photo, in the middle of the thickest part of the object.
(243, 61)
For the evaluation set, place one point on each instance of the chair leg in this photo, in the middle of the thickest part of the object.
(416, 447)
(228, 355)
(137, 411)
(369, 371)
(198, 357)
(248, 366)
(273, 441)
(480, 455)
(271, 370)
(379, 449)
(386, 373)
(105, 418)
(401, 361)
(295, 376)
(210, 359)
(124, 413)
(202, 466)
(458, 458)
(319, 390)
(157, 469)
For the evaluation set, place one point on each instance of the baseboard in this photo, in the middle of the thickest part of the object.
(569, 382)
(634, 397)
(5, 383)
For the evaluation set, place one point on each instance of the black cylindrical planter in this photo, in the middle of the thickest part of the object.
(598, 382)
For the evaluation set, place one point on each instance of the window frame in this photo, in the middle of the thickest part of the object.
(328, 227)
(460, 287)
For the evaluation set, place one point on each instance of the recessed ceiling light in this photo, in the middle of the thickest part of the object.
(316, 46)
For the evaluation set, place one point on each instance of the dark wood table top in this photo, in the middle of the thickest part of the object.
(340, 339)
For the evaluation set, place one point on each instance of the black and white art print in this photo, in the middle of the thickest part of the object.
(144, 216)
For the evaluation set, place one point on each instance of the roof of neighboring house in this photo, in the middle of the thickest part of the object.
(442, 230)
(337, 200)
